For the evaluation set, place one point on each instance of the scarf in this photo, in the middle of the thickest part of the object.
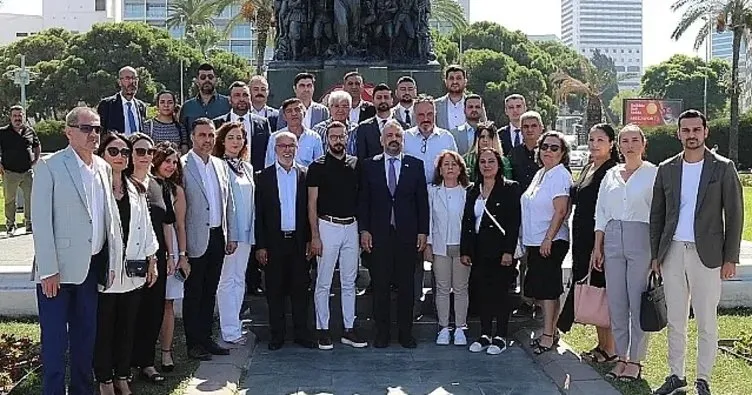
(235, 165)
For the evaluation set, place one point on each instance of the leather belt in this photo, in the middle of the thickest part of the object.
(288, 234)
(337, 220)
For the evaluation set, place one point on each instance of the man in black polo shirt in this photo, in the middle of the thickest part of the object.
(19, 151)
(332, 200)
(524, 165)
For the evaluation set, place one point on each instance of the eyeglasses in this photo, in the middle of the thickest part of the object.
(113, 151)
(144, 151)
(286, 146)
(203, 77)
(88, 129)
(550, 147)
(424, 146)
(338, 137)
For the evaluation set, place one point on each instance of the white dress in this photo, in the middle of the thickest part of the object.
(174, 286)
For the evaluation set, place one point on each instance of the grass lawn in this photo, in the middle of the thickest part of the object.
(731, 376)
(174, 385)
(747, 214)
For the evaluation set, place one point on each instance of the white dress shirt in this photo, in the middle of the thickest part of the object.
(287, 187)
(478, 209)
(401, 110)
(427, 149)
(455, 113)
(94, 191)
(211, 185)
(309, 149)
(307, 118)
(246, 124)
(625, 201)
(134, 110)
(355, 114)
(538, 205)
(690, 185)
(381, 122)
(261, 112)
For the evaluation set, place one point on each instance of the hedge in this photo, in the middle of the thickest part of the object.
(51, 135)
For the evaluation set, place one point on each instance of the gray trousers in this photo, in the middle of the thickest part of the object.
(627, 266)
(11, 182)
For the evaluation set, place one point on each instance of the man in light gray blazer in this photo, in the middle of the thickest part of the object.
(315, 112)
(210, 232)
(464, 135)
(450, 108)
(696, 221)
(78, 247)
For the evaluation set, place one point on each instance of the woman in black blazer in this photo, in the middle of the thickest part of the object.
(490, 229)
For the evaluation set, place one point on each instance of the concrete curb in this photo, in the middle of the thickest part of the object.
(221, 375)
(566, 369)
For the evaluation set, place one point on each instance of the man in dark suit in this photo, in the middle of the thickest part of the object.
(369, 132)
(361, 109)
(259, 96)
(122, 111)
(511, 135)
(283, 237)
(256, 128)
(696, 222)
(393, 222)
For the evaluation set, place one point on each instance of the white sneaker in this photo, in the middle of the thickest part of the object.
(459, 337)
(498, 345)
(481, 344)
(443, 338)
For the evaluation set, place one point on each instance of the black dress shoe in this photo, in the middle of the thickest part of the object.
(306, 343)
(275, 345)
(409, 342)
(199, 353)
(215, 349)
(381, 343)
(256, 291)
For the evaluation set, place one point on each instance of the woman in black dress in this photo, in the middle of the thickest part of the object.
(584, 194)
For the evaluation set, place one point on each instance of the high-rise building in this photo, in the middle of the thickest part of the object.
(79, 15)
(721, 44)
(613, 27)
(156, 12)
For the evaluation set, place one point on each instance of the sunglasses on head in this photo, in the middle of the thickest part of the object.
(144, 151)
(88, 129)
(550, 147)
(114, 151)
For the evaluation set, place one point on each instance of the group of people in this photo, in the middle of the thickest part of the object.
(136, 213)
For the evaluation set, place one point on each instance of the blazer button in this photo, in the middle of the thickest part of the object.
(89, 240)
(207, 224)
(207, 209)
(138, 244)
(89, 221)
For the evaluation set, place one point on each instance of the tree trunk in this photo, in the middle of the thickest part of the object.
(263, 23)
(734, 130)
(593, 116)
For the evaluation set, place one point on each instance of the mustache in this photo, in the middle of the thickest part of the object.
(260, 95)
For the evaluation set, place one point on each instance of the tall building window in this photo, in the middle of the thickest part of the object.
(100, 5)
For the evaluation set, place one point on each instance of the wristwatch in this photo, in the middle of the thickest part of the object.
(182, 253)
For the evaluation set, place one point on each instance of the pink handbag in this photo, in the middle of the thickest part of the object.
(591, 304)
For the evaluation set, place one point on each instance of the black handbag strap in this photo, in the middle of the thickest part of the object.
(655, 280)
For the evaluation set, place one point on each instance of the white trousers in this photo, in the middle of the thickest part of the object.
(230, 292)
(340, 242)
(686, 279)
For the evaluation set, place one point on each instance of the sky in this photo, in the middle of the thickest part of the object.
(658, 21)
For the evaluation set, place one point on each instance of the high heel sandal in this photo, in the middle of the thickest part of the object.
(154, 378)
(167, 368)
(120, 391)
(631, 379)
(538, 349)
(613, 376)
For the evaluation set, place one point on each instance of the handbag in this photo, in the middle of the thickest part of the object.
(136, 267)
(591, 304)
(653, 313)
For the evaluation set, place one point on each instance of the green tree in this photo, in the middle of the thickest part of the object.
(683, 77)
(734, 15)
(204, 39)
(191, 14)
(447, 51)
(617, 103)
(448, 11)
(591, 87)
(261, 14)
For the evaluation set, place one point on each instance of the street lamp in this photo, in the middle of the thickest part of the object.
(182, 68)
(21, 77)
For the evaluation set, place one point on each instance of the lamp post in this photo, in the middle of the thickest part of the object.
(21, 77)
(182, 68)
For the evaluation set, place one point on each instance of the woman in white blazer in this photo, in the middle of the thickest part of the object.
(446, 198)
(232, 147)
(118, 305)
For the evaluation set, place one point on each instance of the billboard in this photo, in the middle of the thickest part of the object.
(652, 112)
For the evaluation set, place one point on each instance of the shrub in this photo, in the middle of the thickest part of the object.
(51, 135)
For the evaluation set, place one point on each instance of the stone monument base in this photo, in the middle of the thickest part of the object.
(281, 75)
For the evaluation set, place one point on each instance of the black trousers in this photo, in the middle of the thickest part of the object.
(492, 281)
(116, 326)
(149, 317)
(393, 261)
(287, 274)
(200, 291)
(253, 273)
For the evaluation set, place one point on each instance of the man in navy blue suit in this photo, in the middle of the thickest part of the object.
(393, 224)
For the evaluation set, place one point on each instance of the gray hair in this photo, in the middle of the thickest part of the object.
(393, 123)
(284, 133)
(339, 96)
(259, 78)
(127, 68)
(72, 118)
(531, 115)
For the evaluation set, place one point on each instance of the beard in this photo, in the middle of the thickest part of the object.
(383, 107)
(337, 149)
(207, 87)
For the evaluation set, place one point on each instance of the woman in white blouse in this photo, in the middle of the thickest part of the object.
(118, 305)
(545, 233)
(622, 248)
(446, 198)
(232, 146)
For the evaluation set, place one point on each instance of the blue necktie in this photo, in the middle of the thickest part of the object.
(392, 183)
(352, 147)
(131, 118)
(516, 138)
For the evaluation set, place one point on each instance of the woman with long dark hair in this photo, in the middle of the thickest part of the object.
(490, 229)
(486, 136)
(583, 196)
(165, 126)
(118, 305)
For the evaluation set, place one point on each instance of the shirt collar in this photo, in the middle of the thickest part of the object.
(403, 108)
(83, 164)
(398, 157)
(282, 169)
(378, 118)
(235, 117)
(199, 160)
(514, 129)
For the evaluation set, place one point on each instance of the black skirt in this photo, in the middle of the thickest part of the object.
(543, 279)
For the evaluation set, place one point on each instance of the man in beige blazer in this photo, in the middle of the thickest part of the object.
(696, 222)
(78, 245)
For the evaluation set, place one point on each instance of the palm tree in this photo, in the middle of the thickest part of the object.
(191, 14)
(258, 12)
(734, 15)
(448, 11)
(204, 38)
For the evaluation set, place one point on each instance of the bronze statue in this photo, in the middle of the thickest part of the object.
(297, 18)
(322, 26)
(347, 22)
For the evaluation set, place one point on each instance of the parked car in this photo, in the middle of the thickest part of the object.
(579, 156)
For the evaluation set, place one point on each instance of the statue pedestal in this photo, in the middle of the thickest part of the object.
(329, 73)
